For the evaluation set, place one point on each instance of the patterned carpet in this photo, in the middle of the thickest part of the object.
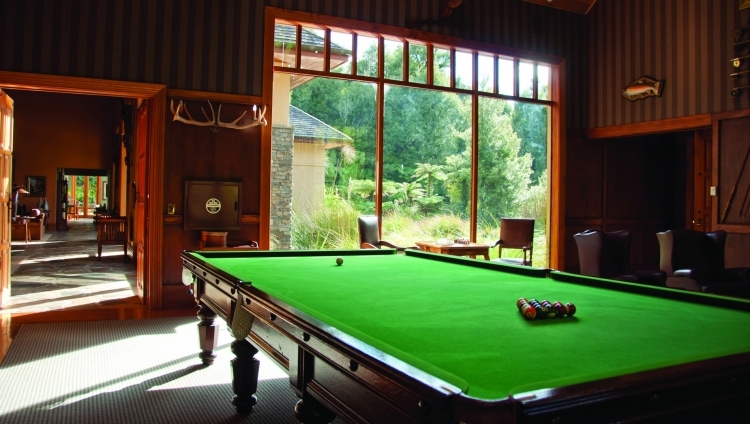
(131, 371)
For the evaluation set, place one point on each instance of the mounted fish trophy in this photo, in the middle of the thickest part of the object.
(641, 88)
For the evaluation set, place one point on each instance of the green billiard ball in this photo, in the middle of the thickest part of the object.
(339, 261)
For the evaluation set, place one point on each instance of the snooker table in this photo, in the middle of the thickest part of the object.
(422, 337)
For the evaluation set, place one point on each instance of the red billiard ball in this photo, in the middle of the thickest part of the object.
(560, 308)
(571, 309)
(529, 313)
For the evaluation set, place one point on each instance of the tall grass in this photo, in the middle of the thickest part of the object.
(334, 226)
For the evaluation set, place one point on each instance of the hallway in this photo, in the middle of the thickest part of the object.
(63, 272)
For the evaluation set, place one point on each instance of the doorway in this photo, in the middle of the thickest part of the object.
(154, 97)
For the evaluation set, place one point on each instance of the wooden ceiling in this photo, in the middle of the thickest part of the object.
(575, 6)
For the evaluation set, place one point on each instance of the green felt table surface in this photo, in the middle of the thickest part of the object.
(460, 322)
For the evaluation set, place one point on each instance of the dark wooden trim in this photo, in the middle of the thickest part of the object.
(172, 219)
(177, 219)
(557, 155)
(77, 85)
(619, 221)
(651, 127)
(379, 120)
(250, 219)
(86, 172)
(219, 97)
(155, 176)
(264, 232)
(309, 72)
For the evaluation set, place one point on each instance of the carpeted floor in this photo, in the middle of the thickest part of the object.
(130, 371)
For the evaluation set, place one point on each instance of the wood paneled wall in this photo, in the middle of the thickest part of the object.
(686, 43)
(78, 132)
(636, 184)
(197, 153)
(217, 46)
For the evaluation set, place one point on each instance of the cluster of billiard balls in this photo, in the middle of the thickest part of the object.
(533, 309)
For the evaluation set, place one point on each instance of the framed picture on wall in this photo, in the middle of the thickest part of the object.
(37, 186)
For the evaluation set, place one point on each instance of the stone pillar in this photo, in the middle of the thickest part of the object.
(282, 157)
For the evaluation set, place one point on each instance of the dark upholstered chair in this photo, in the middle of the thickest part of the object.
(516, 233)
(694, 261)
(369, 234)
(607, 255)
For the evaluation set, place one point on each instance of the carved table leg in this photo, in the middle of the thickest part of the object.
(244, 375)
(310, 411)
(208, 334)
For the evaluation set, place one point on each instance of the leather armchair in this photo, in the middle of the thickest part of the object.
(369, 235)
(694, 261)
(607, 255)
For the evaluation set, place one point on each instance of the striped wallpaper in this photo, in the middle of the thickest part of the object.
(686, 43)
(216, 45)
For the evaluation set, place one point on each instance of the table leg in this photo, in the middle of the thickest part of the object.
(245, 369)
(208, 334)
(486, 257)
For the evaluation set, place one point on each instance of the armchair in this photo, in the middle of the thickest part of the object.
(607, 255)
(694, 261)
(36, 224)
(516, 233)
(369, 234)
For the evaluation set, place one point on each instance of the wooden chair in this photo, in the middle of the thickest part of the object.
(71, 213)
(112, 231)
(516, 233)
(36, 224)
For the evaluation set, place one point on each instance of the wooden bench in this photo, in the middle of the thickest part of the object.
(112, 230)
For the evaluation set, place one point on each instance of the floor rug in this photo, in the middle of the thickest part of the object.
(130, 371)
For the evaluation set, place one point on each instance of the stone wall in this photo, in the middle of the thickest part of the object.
(282, 157)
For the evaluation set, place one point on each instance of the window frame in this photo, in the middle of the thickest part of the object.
(556, 102)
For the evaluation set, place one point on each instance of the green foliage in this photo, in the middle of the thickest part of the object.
(426, 156)
(334, 226)
(531, 124)
(429, 205)
(533, 203)
(504, 175)
(429, 172)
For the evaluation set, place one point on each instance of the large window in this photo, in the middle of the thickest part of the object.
(441, 141)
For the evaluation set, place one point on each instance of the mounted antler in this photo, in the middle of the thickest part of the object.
(215, 121)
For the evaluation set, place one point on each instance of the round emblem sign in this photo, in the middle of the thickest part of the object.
(213, 205)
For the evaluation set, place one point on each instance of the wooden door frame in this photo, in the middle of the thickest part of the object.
(156, 95)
